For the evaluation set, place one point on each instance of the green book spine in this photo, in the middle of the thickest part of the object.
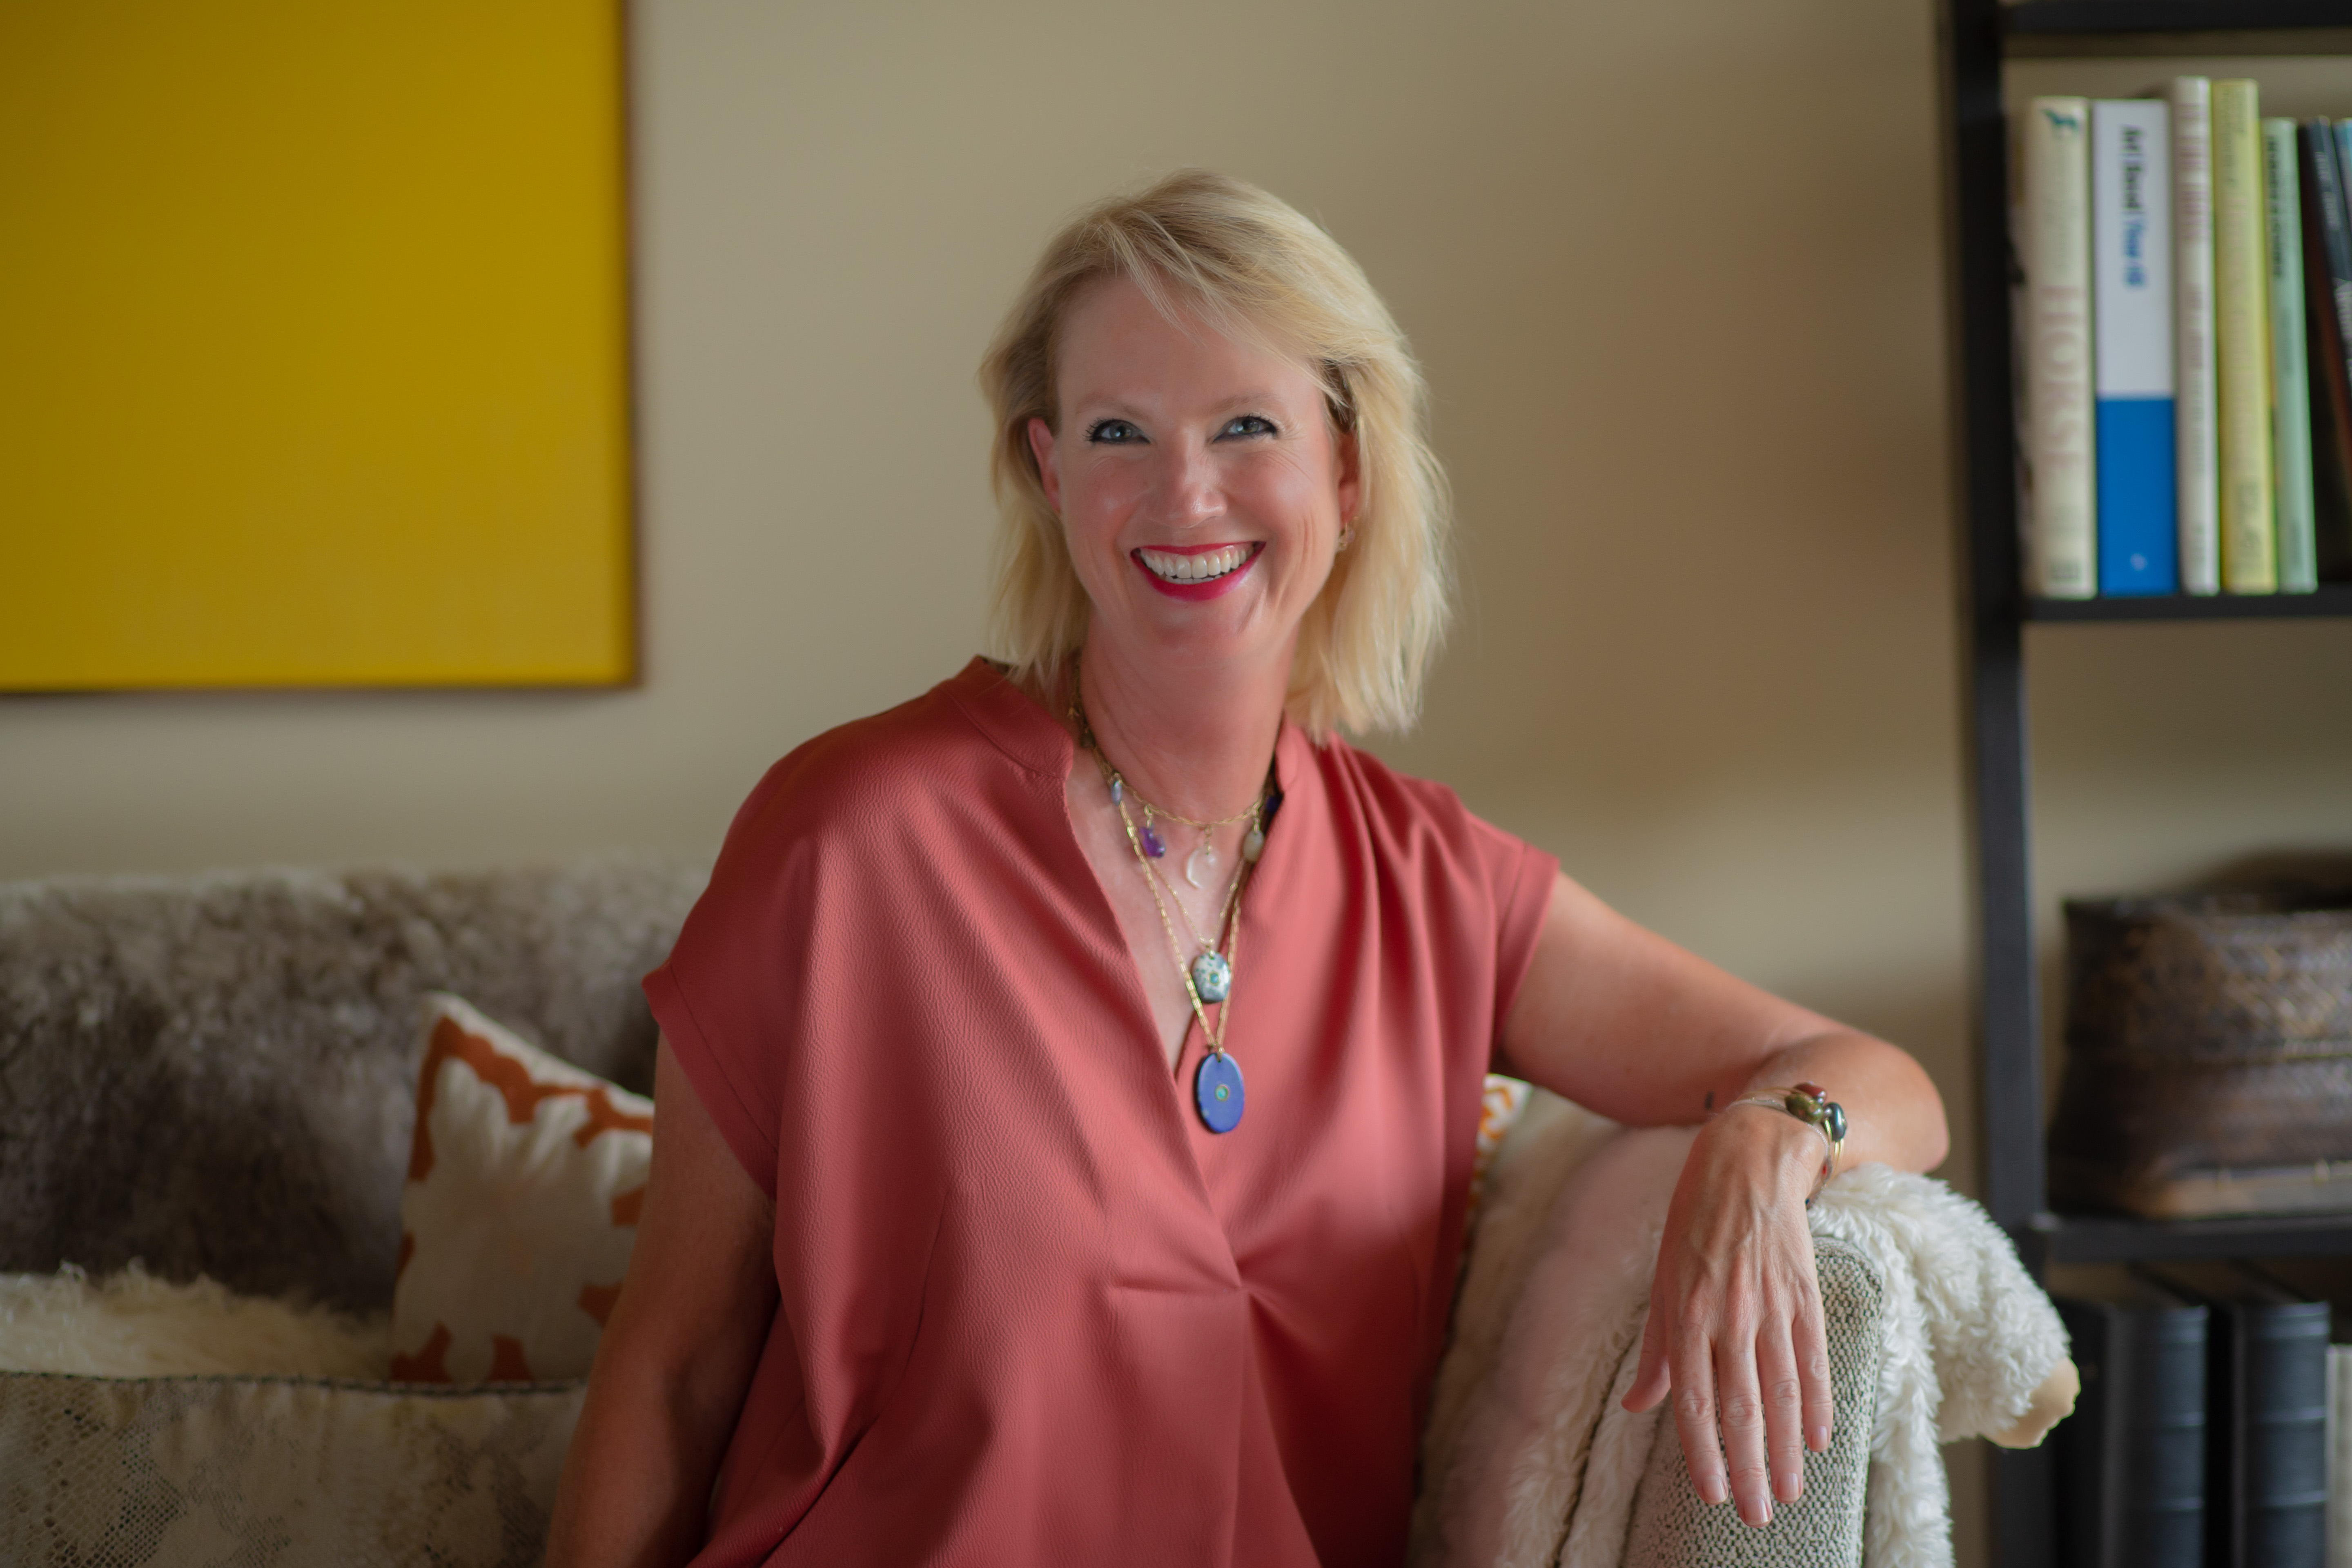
(2249, 519)
(2298, 565)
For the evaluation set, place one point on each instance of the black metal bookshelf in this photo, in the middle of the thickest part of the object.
(1976, 37)
(2122, 21)
(2100, 1238)
(2332, 601)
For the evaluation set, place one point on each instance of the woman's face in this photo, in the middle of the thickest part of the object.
(1200, 484)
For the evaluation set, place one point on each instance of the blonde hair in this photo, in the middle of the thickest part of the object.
(1254, 269)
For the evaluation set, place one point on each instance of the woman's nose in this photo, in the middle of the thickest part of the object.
(1191, 490)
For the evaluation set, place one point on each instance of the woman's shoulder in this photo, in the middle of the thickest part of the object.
(1399, 800)
(1404, 819)
(861, 776)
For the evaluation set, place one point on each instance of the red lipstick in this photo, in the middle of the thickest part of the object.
(1197, 591)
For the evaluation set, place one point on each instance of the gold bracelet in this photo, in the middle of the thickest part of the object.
(1811, 1104)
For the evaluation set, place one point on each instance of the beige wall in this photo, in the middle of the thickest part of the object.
(1674, 269)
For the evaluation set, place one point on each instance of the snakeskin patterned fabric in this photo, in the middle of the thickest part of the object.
(287, 1472)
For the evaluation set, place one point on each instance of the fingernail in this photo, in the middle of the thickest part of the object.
(1818, 1439)
(1759, 1514)
(1788, 1487)
(1712, 1491)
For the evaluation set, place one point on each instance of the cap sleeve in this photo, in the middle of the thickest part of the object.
(735, 980)
(1521, 878)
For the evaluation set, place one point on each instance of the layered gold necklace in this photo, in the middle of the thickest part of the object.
(1208, 976)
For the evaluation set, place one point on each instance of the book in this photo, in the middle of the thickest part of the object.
(2327, 312)
(2196, 451)
(2131, 1461)
(2332, 545)
(2291, 411)
(2241, 343)
(2051, 234)
(2266, 1417)
(2279, 1432)
(2131, 358)
(2339, 1457)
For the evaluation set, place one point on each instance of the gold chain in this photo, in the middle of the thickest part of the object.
(1216, 1037)
(1228, 917)
(1224, 910)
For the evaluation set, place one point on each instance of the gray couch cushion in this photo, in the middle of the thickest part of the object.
(217, 1074)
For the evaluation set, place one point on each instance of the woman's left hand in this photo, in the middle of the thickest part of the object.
(1735, 1326)
(1626, 1023)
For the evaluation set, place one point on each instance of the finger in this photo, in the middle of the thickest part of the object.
(1743, 1428)
(1650, 1379)
(1693, 1375)
(1784, 1409)
(1812, 1348)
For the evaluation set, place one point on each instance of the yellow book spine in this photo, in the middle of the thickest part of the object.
(2242, 323)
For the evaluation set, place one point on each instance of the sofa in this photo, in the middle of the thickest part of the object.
(215, 1076)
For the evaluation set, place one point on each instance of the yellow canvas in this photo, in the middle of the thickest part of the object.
(316, 352)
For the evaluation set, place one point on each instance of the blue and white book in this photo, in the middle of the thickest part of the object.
(2131, 269)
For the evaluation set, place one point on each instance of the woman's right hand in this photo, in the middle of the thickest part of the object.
(678, 1353)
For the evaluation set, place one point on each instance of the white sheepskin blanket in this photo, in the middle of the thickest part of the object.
(133, 1325)
(1530, 1451)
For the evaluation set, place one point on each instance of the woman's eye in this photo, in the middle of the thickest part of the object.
(1113, 432)
(1247, 425)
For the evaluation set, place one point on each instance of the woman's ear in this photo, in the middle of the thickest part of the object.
(1352, 480)
(1041, 446)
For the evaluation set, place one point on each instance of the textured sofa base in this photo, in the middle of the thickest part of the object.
(287, 1471)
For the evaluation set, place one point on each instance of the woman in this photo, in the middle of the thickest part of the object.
(1069, 1080)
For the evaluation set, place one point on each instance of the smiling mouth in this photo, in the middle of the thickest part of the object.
(1190, 567)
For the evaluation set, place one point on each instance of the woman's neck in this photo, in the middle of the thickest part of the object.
(1195, 743)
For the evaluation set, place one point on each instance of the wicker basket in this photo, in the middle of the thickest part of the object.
(2209, 1066)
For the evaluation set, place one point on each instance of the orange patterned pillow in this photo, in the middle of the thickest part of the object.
(524, 1182)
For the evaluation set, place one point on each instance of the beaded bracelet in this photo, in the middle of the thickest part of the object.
(1811, 1104)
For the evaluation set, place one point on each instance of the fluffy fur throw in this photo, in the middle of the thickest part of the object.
(1530, 1452)
(217, 1074)
(136, 1325)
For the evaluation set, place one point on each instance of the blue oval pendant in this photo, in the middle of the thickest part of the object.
(1217, 1089)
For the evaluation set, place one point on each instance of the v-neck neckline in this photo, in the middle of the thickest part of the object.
(1020, 725)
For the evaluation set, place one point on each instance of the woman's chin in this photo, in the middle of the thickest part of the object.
(1229, 630)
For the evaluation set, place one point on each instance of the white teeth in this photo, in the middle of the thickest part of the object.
(1203, 568)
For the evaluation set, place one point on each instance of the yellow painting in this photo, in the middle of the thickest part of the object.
(314, 345)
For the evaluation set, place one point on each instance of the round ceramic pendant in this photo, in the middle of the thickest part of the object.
(1212, 977)
(1217, 1090)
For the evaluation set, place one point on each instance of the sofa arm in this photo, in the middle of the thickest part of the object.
(1671, 1528)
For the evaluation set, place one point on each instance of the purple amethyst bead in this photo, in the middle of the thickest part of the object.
(1153, 844)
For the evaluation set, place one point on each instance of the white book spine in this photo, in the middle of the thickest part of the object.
(2196, 442)
(2053, 227)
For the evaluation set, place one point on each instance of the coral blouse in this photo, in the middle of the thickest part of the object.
(1032, 1310)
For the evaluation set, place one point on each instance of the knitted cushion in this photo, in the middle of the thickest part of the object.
(525, 1176)
(1822, 1528)
(287, 1471)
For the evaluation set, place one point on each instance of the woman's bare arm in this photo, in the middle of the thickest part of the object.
(679, 1354)
(1625, 1023)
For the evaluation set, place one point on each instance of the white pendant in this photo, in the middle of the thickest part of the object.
(1212, 977)
(1201, 867)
